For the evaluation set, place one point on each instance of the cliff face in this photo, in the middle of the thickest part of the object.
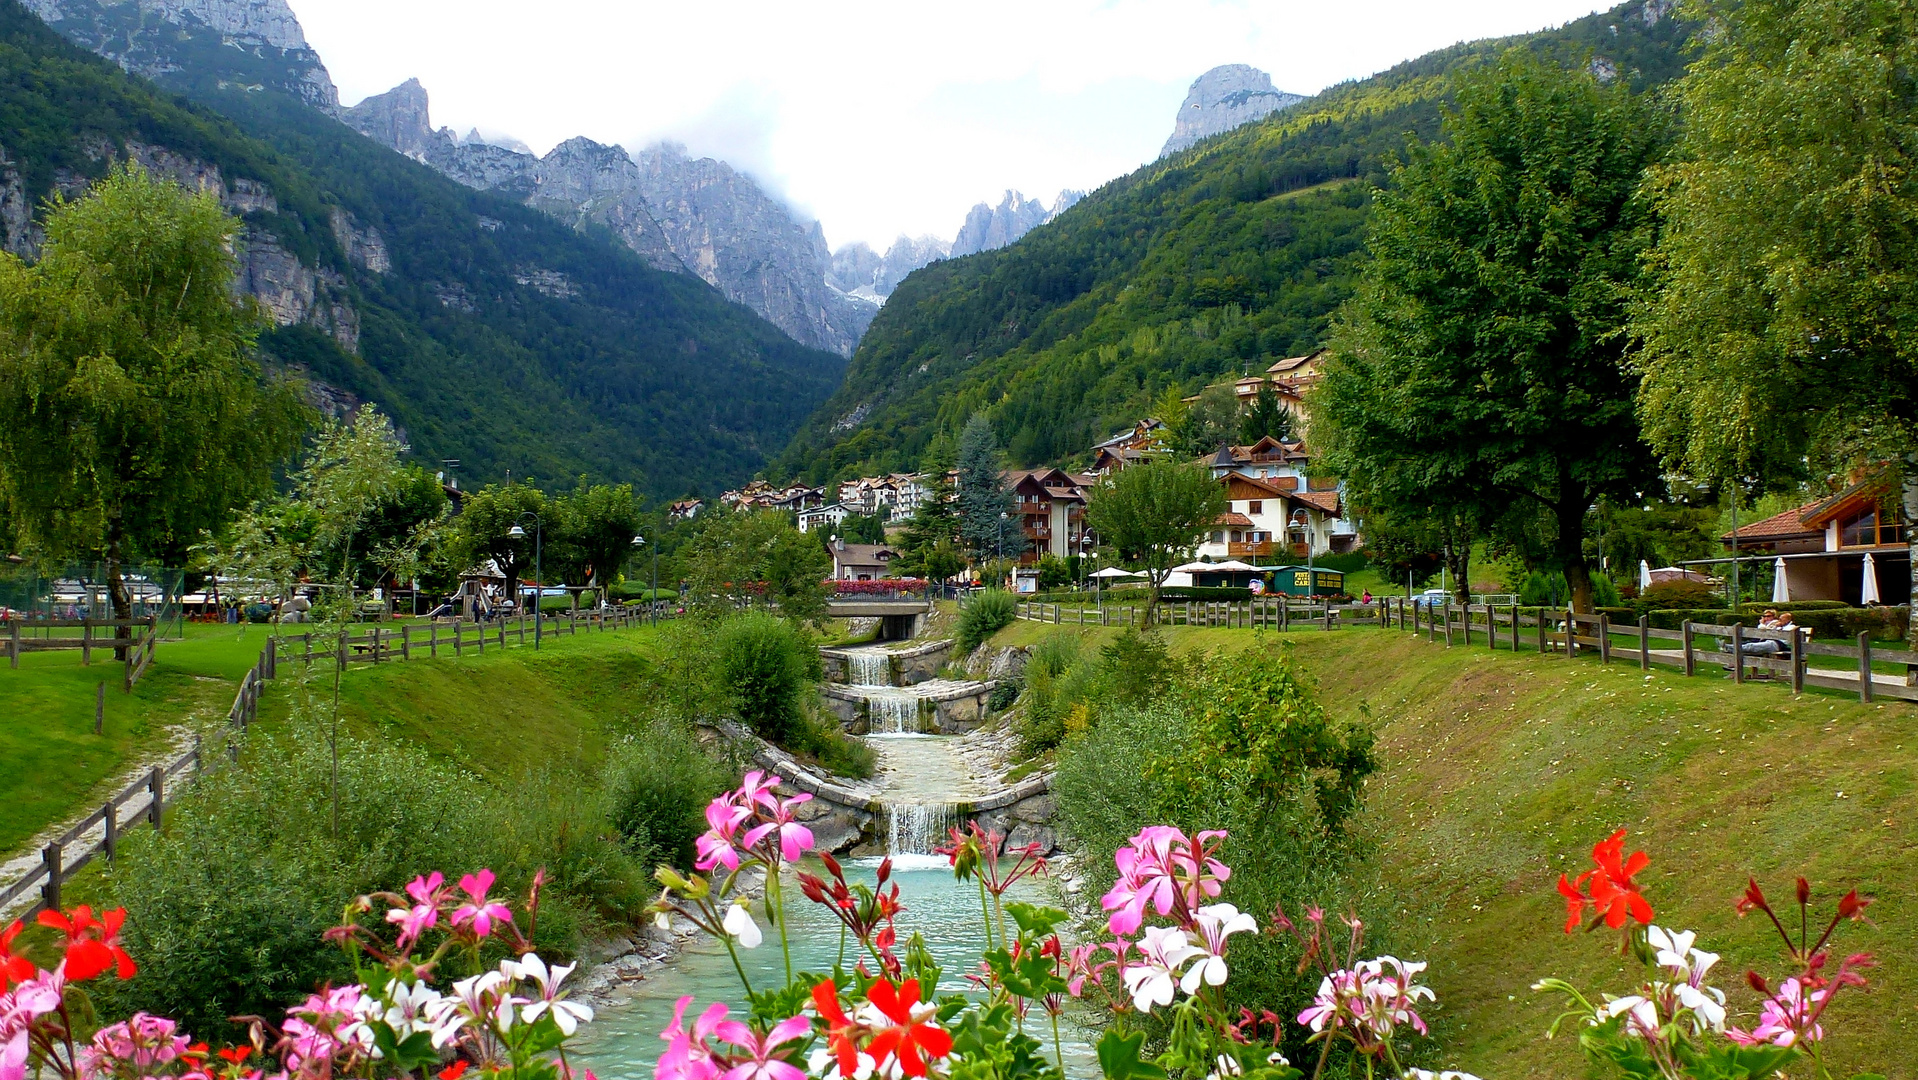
(1222, 99)
(238, 42)
(696, 216)
(863, 272)
(989, 227)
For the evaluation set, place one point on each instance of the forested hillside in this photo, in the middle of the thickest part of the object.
(490, 332)
(1215, 261)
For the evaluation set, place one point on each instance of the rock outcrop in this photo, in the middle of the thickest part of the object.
(863, 272)
(239, 42)
(1222, 99)
(691, 215)
(989, 227)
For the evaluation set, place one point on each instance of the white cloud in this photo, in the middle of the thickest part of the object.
(888, 119)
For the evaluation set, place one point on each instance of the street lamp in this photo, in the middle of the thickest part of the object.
(539, 579)
(1002, 535)
(652, 594)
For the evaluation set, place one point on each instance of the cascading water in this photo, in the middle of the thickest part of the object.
(895, 713)
(918, 828)
(869, 667)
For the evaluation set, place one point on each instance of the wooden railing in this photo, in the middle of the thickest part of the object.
(145, 799)
(37, 635)
(1269, 612)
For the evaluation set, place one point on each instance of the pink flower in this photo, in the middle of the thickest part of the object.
(687, 1056)
(327, 1024)
(1786, 1021)
(715, 846)
(761, 1064)
(1145, 877)
(19, 1008)
(756, 789)
(480, 913)
(1195, 864)
(425, 912)
(794, 839)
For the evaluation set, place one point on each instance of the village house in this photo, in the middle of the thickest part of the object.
(1050, 505)
(1850, 546)
(827, 517)
(1313, 507)
(685, 509)
(861, 562)
(759, 495)
(1140, 442)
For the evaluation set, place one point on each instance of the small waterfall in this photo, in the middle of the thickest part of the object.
(895, 713)
(917, 828)
(869, 667)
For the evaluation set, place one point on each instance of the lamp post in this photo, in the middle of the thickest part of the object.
(539, 579)
(1002, 535)
(652, 593)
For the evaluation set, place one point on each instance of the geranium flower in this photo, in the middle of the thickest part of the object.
(761, 1063)
(1787, 1018)
(1608, 887)
(1195, 865)
(1689, 966)
(839, 1029)
(424, 912)
(688, 1055)
(794, 839)
(1161, 951)
(911, 1039)
(479, 912)
(1145, 877)
(19, 1008)
(715, 847)
(408, 1007)
(756, 789)
(1387, 997)
(567, 1014)
(1641, 1014)
(93, 945)
(739, 923)
(1216, 922)
(13, 969)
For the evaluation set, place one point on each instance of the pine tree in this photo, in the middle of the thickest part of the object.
(987, 525)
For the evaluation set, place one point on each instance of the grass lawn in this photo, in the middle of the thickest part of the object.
(1501, 771)
(47, 745)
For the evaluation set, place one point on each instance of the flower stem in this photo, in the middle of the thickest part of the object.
(779, 898)
(1058, 1050)
(734, 953)
(985, 913)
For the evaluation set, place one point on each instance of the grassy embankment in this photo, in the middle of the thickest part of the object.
(1500, 771)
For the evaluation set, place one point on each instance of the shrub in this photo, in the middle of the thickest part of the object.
(1137, 666)
(1056, 679)
(820, 738)
(1349, 563)
(766, 666)
(983, 616)
(656, 785)
(1544, 590)
(1681, 593)
(1005, 692)
(1605, 592)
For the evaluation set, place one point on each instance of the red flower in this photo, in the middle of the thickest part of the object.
(235, 1054)
(93, 945)
(453, 1071)
(912, 1041)
(839, 1035)
(13, 969)
(1608, 887)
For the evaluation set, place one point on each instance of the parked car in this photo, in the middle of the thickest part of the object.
(1432, 598)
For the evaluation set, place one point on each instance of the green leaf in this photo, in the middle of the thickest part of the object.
(1119, 1057)
(1033, 919)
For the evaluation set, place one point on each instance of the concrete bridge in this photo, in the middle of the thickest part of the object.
(900, 619)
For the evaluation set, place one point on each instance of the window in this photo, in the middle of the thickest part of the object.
(1219, 537)
(1256, 506)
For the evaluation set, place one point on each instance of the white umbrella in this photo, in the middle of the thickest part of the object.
(1644, 575)
(1868, 592)
(1116, 572)
(1780, 589)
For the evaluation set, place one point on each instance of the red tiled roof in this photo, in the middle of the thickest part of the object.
(1233, 519)
(1327, 501)
(1789, 523)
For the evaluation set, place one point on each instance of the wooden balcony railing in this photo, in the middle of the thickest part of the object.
(1262, 547)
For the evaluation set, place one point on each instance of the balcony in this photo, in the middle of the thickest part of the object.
(1258, 548)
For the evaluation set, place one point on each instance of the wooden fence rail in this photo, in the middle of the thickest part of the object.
(146, 797)
(37, 635)
(1564, 633)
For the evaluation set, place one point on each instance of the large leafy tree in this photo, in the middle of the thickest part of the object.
(1786, 320)
(987, 525)
(1156, 513)
(597, 532)
(734, 552)
(135, 416)
(1482, 359)
(486, 523)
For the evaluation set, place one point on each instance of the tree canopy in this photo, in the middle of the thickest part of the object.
(1156, 513)
(1480, 367)
(987, 524)
(136, 417)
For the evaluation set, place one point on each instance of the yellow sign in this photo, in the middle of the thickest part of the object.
(1302, 577)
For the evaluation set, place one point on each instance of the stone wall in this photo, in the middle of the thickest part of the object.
(952, 712)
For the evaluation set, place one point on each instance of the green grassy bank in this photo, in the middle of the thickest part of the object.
(1501, 771)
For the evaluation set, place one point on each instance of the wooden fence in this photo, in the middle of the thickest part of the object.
(1788, 660)
(38, 635)
(145, 799)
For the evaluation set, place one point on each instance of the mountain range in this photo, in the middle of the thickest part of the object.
(1212, 261)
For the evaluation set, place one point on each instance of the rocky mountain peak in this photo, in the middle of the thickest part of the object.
(1224, 98)
(987, 227)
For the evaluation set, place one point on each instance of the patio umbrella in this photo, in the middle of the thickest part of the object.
(1780, 589)
(1644, 575)
(1868, 592)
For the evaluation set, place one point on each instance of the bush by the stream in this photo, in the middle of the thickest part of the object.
(767, 667)
(226, 908)
(657, 784)
(1056, 680)
(983, 616)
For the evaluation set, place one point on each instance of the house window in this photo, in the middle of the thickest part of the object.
(1219, 537)
(1256, 506)
(1884, 524)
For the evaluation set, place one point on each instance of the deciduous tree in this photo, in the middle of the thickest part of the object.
(1156, 513)
(1482, 359)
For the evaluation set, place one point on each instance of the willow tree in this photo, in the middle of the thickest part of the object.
(1480, 365)
(135, 415)
(1786, 318)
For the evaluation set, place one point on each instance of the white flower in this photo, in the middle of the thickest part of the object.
(662, 920)
(739, 923)
(409, 1007)
(1707, 1005)
(1216, 923)
(1163, 950)
(1643, 1013)
(567, 1014)
(822, 1062)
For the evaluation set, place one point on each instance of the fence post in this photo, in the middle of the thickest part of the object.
(112, 838)
(1447, 609)
(406, 642)
(50, 892)
(1738, 652)
(1604, 638)
(13, 643)
(378, 645)
(1685, 631)
(1544, 639)
(1514, 628)
(99, 707)
(1285, 614)
(1797, 660)
(86, 642)
(1644, 643)
(1328, 614)
(1865, 689)
(156, 795)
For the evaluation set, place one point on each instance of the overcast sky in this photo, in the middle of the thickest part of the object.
(880, 118)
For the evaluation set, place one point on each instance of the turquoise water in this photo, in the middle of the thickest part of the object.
(623, 1041)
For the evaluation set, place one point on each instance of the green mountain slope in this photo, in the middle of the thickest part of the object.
(497, 335)
(1215, 261)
